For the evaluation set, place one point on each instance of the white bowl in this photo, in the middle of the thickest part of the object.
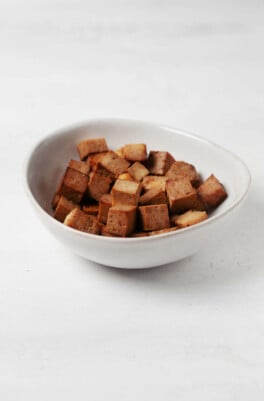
(47, 161)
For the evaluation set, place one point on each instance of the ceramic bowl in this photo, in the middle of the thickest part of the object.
(48, 159)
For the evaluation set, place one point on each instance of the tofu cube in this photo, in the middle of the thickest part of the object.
(104, 205)
(125, 176)
(211, 192)
(180, 169)
(93, 159)
(63, 208)
(121, 220)
(55, 200)
(165, 230)
(135, 152)
(90, 209)
(82, 167)
(159, 162)
(154, 217)
(111, 164)
(105, 233)
(181, 195)
(82, 221)
(138, 171)
(120, 152)
(153, 197)
(98, 185)
(125, 192)
(89, 146)
(154, 182)
(198, 205)
(74, 185)
(189, 218)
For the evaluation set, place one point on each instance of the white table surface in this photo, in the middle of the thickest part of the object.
(73, 330)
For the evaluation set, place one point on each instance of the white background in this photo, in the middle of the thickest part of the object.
(73, 330)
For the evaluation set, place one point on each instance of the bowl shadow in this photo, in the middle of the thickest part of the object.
(232, 259)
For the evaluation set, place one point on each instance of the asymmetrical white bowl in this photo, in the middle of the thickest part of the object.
(47, 161)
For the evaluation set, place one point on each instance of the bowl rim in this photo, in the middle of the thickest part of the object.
(113, 120)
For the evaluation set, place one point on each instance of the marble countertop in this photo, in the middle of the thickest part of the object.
(70, 329)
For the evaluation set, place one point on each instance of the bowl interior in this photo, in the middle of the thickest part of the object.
(49, 159)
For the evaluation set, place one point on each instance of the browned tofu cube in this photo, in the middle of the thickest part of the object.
(74, 185)
(155, 232)
(198, 205)
(89, 146)
(181, 195)
(82, 221)
(138, 171)
(90, 209)
(135, 152)
(181, 169)
(121, 220)
(98, 185)
(82, 167)
(154, 182)
(55, 200)
(104, 205)
(159, 162)
(125, 192)
(93, 159)
(154, 217)
(164, 231)
(153, 197)
(120, 152)
(189, 218)
(106, 233)
(211, 192)
(111, 164)
(63, 208)
(125, 176)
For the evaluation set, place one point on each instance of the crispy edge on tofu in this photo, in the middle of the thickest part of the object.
(135, 152)
(106, 233)
(211, 192)
(159, 162)
(126, 192)
(64, 207)
(90, 209)
(189, 218)
(154, 182)
(181, 169)
(89, 146)
(55, 200)
(105, 203)
(139, 234)
(111, 164)
(73, 185)
(83, 222)
(138, 171)
(93, 159)
(120, 152)
(153, 197)
(181, 195)
(126, 176)
(154, 217)
(99, 184)
(121, 220)
(80, 166)
(164, 231)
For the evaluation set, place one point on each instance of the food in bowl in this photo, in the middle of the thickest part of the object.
(46, 163)
(128, 192)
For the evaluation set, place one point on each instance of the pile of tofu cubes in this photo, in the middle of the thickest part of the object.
(129, 192)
